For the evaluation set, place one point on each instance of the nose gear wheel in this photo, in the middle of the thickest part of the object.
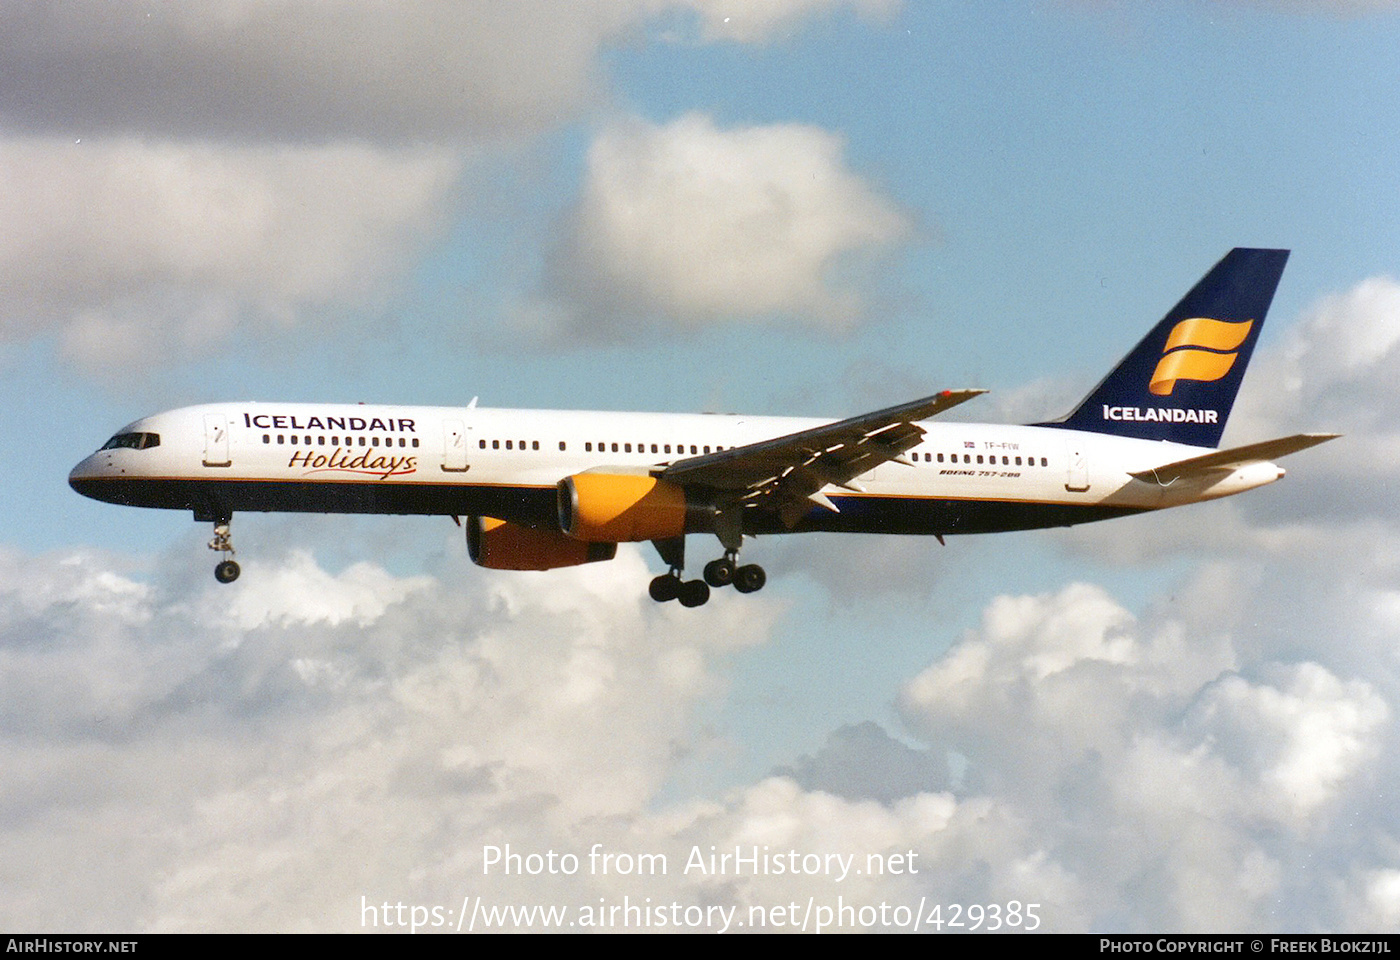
(227, 570)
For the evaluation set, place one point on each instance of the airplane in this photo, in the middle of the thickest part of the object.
(543, 489)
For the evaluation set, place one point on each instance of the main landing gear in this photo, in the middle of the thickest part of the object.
(226, 571)
(718, 573)
(726, 570)
(670, 586)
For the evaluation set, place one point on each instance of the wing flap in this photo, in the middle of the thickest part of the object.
(1226, 460)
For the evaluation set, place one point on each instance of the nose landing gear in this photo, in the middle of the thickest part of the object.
(227, 570)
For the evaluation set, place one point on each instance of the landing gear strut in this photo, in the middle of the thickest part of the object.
(226, 571)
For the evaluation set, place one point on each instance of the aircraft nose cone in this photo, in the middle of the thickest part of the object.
(81, 478)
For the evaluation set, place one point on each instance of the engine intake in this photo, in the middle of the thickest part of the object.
(598, 507)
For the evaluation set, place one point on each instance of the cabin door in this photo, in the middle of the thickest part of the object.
(454, 446)
(1077, 480)
(216, 440)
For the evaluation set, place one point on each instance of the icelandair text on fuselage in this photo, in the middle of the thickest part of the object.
(1160, 414)
(343, 459)
(286, 421)
(750, 861)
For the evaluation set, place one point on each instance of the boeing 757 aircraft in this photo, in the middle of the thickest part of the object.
(551, 488)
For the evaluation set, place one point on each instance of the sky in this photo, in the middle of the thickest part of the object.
(1187, 721)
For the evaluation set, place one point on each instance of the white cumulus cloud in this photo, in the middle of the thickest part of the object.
(694, 223)
(137, 249)
(229, 758)
(1142, 755)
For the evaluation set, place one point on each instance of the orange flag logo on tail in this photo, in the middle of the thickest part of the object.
(1197, 350)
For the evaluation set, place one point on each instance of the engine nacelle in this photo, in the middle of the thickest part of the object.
(614, 507)
(507, 546)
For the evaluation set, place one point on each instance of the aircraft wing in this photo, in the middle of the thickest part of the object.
(1235, 457)
(787, 473)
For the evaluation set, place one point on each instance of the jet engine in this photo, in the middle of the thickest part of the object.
(609, 507)
(507, 546)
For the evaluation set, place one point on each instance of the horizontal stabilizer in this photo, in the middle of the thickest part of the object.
(1233, 458)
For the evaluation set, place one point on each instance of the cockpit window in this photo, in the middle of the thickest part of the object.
(133, 441)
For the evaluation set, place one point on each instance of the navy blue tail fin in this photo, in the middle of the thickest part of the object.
(1179, 383)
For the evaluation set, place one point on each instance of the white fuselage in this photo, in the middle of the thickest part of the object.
(962, 477)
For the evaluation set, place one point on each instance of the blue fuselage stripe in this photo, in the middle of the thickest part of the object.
(535, 506)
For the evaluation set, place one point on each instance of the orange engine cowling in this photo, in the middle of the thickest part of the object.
(507, 546)
(613, 507)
